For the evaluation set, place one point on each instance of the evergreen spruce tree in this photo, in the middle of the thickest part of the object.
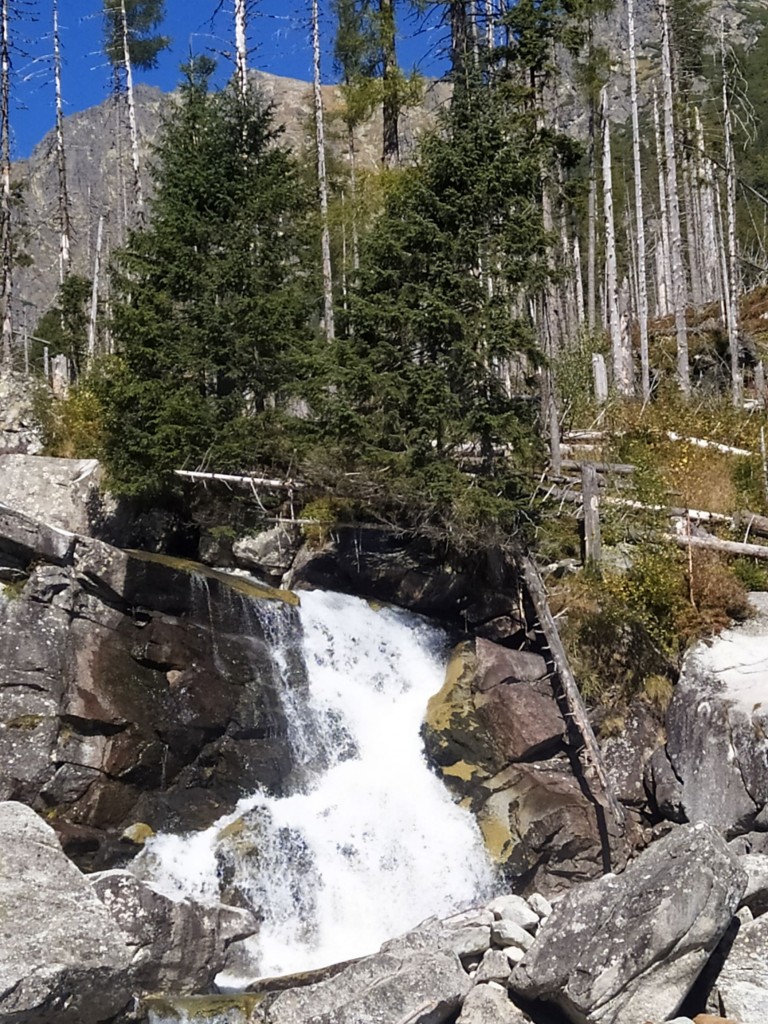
(209, 306)
(145, 43)
(437, 357)
(65, 326)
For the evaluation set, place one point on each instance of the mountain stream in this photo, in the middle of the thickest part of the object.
(373, 843)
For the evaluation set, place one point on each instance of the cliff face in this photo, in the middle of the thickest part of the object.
(98, 172)
(99, 166)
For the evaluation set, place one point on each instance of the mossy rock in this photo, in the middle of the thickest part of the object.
(235, 1009)
(250, 588)
(453, 737)
(138, 833)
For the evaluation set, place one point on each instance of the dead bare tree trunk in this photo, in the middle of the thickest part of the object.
(65, 233)
(664, 286)
(138, 191)
(679, 297)
(731, 290)
(621, 377)
(691, 235)
(642, 280)
(592, 223)
(322, 178)
(93, 319)
(241, 49)
(705, 191)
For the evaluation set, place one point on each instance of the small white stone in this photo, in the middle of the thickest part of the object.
(514, 908)
(513, 954)
(540, 905)
(508, 933)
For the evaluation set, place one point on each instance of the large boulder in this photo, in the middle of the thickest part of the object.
(269, 554)
(490, 1004)
(741, 992)
(496, 708)
(625, 949)
(136, 689)
(496, 734)
(61, 492)
(177, 945)
(628, 754)
(421, 988)
(63, 958)
(717, 730)
(542, 830)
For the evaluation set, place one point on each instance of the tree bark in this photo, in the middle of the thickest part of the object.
(679, 297)
(6, 217)
(664, 284)
(732, 285)
(322, 179)
(138, 191)
(94, 315)
(642, 279)
(241, 48)
(65, 233)
(621, 378)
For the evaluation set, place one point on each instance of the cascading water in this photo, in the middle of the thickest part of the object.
(373, 844)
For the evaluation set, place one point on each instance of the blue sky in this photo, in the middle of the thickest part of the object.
(278, 33)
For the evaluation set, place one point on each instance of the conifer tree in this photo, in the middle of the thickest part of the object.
(436, 359)
(210, 301)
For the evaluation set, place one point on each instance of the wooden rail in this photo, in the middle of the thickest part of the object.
(578, 711)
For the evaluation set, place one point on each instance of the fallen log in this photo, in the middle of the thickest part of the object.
(696, 514)
(727, 547)
(701, 442)
(751, 522)
(242, 481)
(599, 467)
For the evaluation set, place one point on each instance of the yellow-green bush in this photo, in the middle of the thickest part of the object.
(71, 426)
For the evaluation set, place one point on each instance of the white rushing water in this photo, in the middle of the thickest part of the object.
(374, 844)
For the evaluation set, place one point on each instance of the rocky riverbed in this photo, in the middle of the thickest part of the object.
(141, 693)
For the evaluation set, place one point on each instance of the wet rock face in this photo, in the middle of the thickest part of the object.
(133, 690)
(414, 575)
(497, 736)
(176, 945)
(625, 949)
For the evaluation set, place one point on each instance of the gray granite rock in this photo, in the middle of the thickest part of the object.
(515, 909)
(269, 554)
(421, 988)
(63, 957)
(742, 986)
(507, 933)
(625, 949)
(717, 729)
(490, 1004)
(177, 945)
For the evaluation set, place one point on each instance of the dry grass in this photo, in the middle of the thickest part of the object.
(657, 691)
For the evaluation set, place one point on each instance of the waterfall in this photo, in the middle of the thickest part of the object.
(373, 843)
